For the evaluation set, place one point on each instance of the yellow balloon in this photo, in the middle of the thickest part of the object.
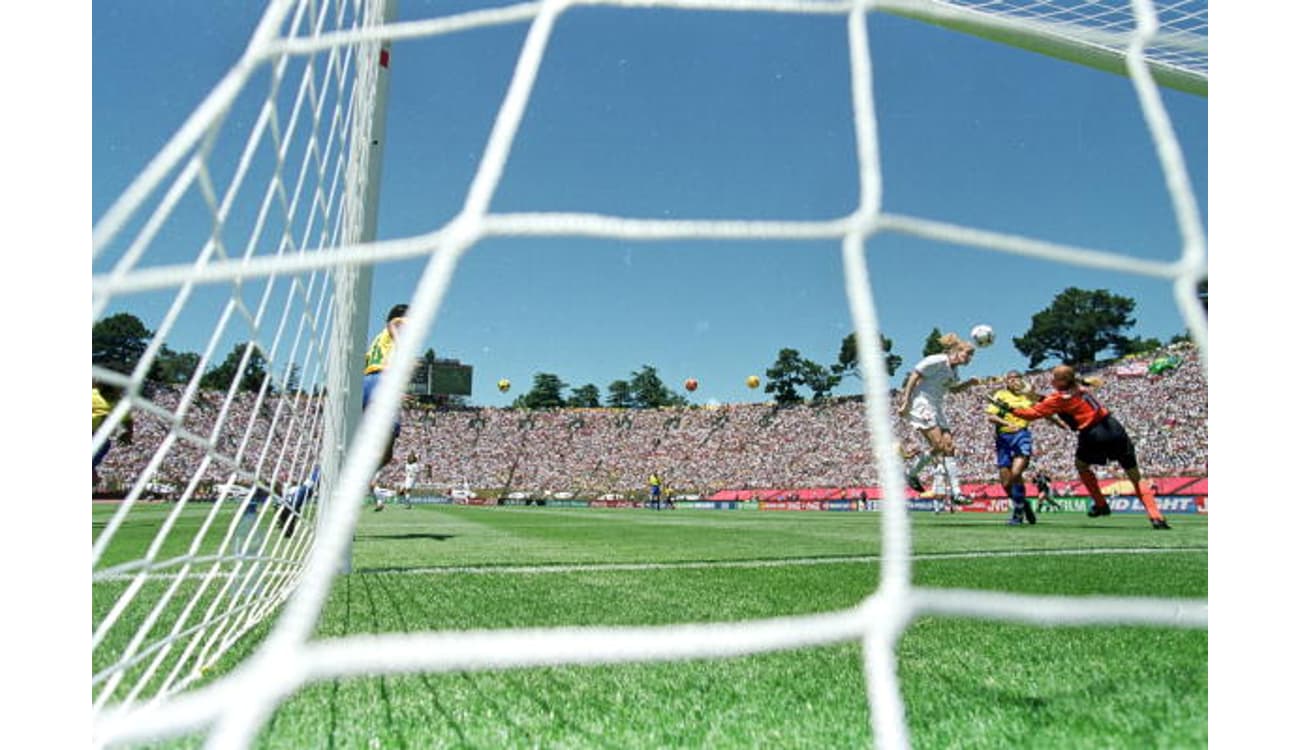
(503, 385)
(752, 381)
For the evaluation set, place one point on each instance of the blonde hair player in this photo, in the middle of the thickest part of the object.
(932, 379)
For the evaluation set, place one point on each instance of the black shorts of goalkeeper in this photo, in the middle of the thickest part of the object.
(1106, 441)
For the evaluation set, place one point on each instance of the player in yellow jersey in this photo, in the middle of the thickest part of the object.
(100, 406)
(377, 359)
(1014, 444)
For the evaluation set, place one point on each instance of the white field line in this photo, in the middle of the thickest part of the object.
(734, 564)
(780, 563)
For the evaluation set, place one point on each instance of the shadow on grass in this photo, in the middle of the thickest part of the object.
(412, 622)
(435, 537)
(385, 698)
(560, 685)
(1025, 702)
(334, 686)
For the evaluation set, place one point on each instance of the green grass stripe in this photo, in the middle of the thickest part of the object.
(966, 683)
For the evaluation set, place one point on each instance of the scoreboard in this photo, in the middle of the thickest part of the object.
(442, 377)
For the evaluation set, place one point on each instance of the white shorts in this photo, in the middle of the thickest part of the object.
(923, 416)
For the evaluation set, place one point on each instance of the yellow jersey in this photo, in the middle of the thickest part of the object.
(1013, 401)
(380, 350)
(99, 408)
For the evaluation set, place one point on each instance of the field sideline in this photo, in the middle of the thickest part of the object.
(967, 683)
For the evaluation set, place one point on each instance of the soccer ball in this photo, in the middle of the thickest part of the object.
(692, 384)
(752, 381)
(503, 385)
(982, 335)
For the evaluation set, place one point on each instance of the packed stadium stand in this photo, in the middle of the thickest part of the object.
(698, 449)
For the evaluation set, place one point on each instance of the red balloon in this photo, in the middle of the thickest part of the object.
(692, 384)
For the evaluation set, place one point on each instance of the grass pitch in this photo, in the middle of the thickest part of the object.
(966, 683)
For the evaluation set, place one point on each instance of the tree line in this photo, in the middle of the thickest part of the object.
(118, 342)
(1077, 327)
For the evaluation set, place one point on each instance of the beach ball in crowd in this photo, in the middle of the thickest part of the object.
(692, 384)
(752, 381)
(503, 385)
(982, 335)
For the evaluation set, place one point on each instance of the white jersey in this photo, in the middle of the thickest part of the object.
(937, 375)
(412, 472)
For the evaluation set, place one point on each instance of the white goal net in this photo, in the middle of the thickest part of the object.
(279, 464)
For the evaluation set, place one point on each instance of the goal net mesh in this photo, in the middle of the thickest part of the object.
(276, 442)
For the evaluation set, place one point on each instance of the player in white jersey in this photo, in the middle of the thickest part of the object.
(411, 472)
(932, 379)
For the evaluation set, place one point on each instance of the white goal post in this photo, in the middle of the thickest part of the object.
(279, 465)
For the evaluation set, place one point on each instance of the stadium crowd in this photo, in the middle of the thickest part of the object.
(207, 440)
(698, 449)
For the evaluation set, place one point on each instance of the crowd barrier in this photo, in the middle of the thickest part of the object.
(1176, 495)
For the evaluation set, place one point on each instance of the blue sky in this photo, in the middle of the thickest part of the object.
(667, 114)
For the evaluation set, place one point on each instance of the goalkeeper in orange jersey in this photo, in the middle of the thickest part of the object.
(1101, 439)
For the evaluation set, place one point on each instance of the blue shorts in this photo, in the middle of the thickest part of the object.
(367, 387)
(1012, 444)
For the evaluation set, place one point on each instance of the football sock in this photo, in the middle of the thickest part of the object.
(1148, 497)
(919, 464)
(938, 481)
(1094, 489)
(950, 468)
(1018, 497)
